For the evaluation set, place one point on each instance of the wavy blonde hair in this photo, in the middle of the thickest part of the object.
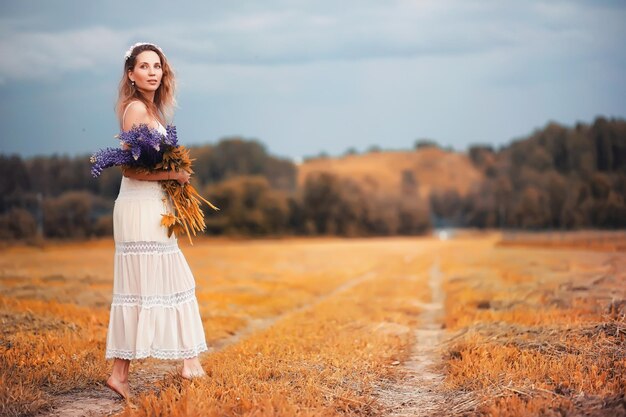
(164, 101)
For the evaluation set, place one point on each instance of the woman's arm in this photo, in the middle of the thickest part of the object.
(131, 172)
(180, 176)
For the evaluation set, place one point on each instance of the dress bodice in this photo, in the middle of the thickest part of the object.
(161, 128)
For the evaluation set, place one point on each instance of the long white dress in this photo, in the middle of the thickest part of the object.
(154, 311)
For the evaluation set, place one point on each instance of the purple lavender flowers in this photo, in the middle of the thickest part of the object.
(145, 148)
(108, 157)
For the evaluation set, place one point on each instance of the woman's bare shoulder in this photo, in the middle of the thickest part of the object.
(136, 113)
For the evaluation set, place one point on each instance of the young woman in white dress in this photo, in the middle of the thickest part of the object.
(154, 311)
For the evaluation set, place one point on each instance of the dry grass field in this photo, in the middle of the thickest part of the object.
(382, 170)
(324, 327)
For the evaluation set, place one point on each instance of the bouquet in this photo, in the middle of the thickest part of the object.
(147, 150)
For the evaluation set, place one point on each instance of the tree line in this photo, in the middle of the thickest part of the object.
(557, 178)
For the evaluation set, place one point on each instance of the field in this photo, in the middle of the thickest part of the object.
(471, 325)
(382, 171)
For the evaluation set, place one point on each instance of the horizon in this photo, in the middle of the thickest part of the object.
(298, 160)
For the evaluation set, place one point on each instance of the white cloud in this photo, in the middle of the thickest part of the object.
(43, 55)
(287, 35)
(278, 37)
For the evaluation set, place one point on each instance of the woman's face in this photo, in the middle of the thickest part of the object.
(147, 73)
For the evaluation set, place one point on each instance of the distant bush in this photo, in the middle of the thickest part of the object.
(425, 143)
(103, 226)
(74, 214)
(248, 206)
(351, 151)
(232, 157)
(330, 205)
(17, 223)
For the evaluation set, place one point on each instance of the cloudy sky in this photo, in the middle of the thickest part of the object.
(310, 76)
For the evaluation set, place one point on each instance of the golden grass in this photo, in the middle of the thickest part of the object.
(535, 330)
(606, 240)
(47, 349)
(339, 322)
(309, 327)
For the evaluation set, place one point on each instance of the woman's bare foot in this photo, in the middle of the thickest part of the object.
(121, 388)
(192, 373)
(192, 369)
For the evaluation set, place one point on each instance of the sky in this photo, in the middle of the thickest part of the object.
(305, 77)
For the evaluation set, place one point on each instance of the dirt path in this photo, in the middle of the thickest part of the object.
(418, 392)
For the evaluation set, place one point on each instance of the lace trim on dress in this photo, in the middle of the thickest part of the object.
(146, 247)
(149, 301)
(156, 353)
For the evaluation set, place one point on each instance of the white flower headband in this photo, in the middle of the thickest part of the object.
(130, 50)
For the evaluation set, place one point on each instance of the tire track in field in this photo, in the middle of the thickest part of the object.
(100, 401)
(418, 392)
(259, 324)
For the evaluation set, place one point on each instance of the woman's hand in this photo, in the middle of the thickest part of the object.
(182, 176)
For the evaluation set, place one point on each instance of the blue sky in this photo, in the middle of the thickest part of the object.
(309, 76)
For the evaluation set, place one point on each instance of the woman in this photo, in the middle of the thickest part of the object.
(154, 311)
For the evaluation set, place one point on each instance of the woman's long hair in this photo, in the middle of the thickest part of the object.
(164, 101)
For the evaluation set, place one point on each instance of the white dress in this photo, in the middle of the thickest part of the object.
(154, 311)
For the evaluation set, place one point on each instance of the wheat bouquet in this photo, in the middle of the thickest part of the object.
(147, 150)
